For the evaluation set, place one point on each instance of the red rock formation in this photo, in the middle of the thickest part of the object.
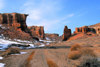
(83, 29)
(16, 23)
(37, 31)
(86, 29)
(66, 33)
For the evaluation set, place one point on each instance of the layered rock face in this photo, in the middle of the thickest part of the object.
(14, 20)
(37, 31)
(15, 27)
(66, 33)
(83, 29)
(86, 29)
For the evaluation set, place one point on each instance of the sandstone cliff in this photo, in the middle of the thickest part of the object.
(17, 28)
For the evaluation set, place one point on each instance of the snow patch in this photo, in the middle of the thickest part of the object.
(41, 45)
(20, 53)
(47, 38)
(23, 52)
(2, 64)
(1, 58)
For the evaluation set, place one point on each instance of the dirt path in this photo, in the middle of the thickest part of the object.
(39, 59)
(17, 60)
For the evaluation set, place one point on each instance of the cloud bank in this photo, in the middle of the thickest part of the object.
(1, 4)
(45, 13)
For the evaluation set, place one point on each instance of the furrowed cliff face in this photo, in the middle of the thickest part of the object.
(17, 27)
(86, 29)
(14, 20)
(37, 31)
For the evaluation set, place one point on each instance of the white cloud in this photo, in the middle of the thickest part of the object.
(65, 22)
(28, 4)
(45, 14)
(1, 4)
(70, 15)
(35, 14)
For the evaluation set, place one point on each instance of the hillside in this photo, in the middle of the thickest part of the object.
(95, 25)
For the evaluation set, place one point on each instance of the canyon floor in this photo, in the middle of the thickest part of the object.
(53, 55)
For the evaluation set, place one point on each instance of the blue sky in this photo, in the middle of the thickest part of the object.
(55, 14)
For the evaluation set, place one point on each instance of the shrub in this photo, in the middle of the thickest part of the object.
(12, 51)
(87, 51)
(88, 61)
(74, 55)
(75, 47)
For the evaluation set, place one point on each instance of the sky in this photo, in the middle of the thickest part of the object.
(55, 14)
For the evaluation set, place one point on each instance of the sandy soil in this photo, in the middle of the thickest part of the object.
(16, 60)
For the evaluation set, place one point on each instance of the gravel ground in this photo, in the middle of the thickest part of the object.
(39, 59)
(16, 60)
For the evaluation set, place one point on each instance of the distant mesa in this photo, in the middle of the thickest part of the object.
(85, 29)
(85, 32)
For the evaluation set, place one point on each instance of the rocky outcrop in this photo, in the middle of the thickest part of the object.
(66, 33)
(52, 37)
(83, 29)
(14, 20)
(37, 31)
(86, 29)
(15, 27)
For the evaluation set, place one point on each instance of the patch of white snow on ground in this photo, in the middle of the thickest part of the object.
(41, 45)
(47, 38)
(1, 58)
(3, 46)
(20, 53)
(2, 64)
(23, 52)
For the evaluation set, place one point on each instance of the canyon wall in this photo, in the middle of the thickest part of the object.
(37, 31)
(17, 28)
(86, 29)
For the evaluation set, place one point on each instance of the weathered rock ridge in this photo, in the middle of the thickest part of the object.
(37, 31)
(86, 29)
(15, 27)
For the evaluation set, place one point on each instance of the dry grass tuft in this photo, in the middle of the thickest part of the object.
(87, 51)
(88, 61)
(74, 55)
(75, 47)
(81, 52)
(10, 51)
(51, 63)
